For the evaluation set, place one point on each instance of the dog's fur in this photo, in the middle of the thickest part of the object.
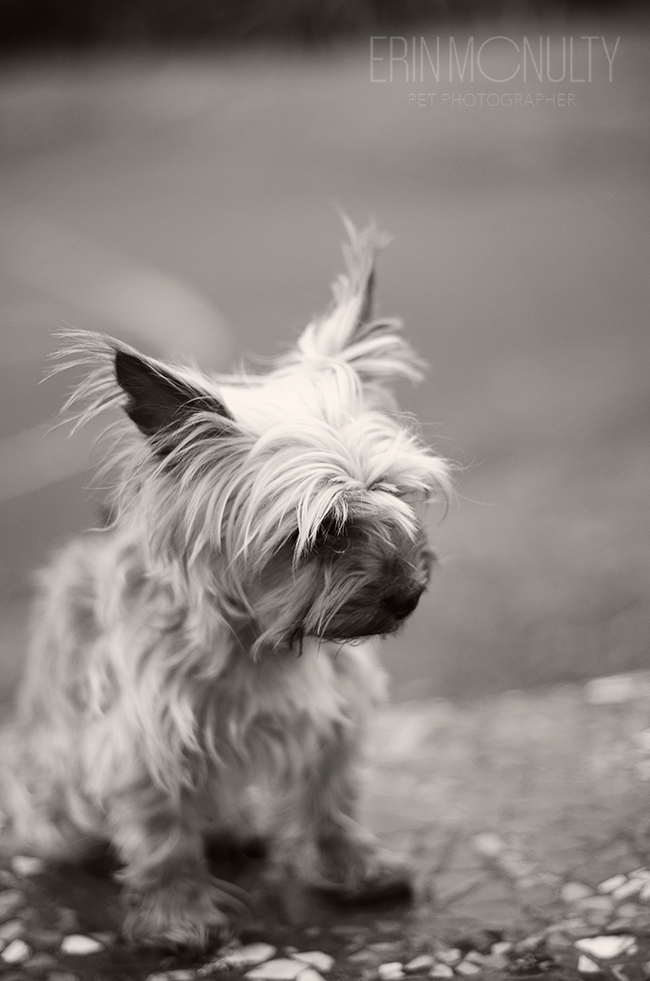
(191, 672)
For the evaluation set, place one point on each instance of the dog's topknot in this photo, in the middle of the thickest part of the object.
(348, 332)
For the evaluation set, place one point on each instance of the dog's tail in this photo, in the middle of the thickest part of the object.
(374, 347)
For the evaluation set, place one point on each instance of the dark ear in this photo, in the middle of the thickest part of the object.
(158, 399)
(367, 303)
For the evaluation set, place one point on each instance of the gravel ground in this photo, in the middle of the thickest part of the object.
(525, 818)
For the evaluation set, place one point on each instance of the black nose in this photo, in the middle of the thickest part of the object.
(401, 602)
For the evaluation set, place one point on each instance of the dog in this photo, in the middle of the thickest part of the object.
(201, 667)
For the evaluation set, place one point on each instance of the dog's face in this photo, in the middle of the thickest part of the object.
(288, 498)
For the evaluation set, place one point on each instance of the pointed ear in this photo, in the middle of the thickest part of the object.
(348, 332)
(159, 399)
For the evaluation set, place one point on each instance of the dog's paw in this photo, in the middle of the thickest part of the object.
(357, 871)
(185, 915)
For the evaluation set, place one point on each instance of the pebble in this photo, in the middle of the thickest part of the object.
(315, 958)
(39, 963)
(388, 926)
(345, 930)
(249, 956)
(488, 844)
(24, 865)
(609, 885)
(468, 968)
(628, 911)
(421, 963)
(282, 969)
(441, 971)
(79, 945)
(17, 952)
(45, 939)
(183, 974)
(10, 930)
(450, 955)
(390, 971)
(364, 957)
(587, 966)
(501, 947)
(571, 892)
(10, 900)
(310, 974)
(604, 904)
(630, 888)
(607, 947)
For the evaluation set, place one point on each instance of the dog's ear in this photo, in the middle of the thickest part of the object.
(159, 400)
(375, 348)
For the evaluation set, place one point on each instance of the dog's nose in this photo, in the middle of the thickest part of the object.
(401, 602)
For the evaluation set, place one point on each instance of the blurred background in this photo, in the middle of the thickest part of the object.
(171, 173)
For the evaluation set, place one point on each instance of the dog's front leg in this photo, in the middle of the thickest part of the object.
(170, 895)
(323, 843)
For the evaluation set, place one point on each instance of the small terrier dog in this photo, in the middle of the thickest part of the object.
(201, 668)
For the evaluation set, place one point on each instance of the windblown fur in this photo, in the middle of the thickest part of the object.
(191, 671)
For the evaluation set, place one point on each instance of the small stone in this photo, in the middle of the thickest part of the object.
(24, 865)
(313, 931)
(468, 968)
(281, 969)
(628, 889)
(604, 904)
(79, 945)
(40, 963)
(44, 939)
(488, 844)
(390, 971)
(384, 948)
(449, 955)
(249, 956)
(17, 952)
(420, 963)
(607, 947)
(619, 973)
(609, 885)
(105, 937)
(10, 930)
(475, 957)
(310, 974)
(441, 971)
(388, 926)
(501, 947)
(10, 900)
(62, 976)
(629, 911)
(571, 892)
(529, 943)
(364, 956)
(182, 974)
(557, 941)
(315, 958)
(587, 966)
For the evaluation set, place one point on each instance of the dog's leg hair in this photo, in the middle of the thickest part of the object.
(321, 842)
(170, 894)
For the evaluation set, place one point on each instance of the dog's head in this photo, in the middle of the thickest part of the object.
(288, 499)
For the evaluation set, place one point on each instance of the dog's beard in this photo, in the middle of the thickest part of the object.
(364, 588)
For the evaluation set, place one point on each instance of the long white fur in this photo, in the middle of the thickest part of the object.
(153, 711)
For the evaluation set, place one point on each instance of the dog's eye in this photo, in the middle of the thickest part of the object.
(331, 538)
